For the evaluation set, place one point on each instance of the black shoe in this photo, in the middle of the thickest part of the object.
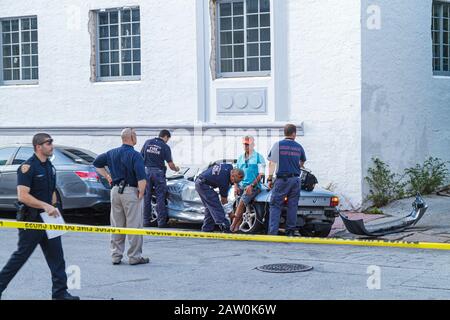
(290, 233)
(67, 296)
(224, 228)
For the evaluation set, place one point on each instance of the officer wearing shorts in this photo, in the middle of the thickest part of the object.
(289, 157)
(221, 176)
(128, 180)
(253, 165)
(36, 188)
(156, 153)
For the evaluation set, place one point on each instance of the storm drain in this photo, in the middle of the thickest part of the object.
(284, 268)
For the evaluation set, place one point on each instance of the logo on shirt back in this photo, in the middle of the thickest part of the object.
(154, 149)
(290, 151)
(216, 170)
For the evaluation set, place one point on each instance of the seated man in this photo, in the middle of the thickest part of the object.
(253, 165)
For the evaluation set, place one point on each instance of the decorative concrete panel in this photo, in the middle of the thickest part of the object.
(242, 101)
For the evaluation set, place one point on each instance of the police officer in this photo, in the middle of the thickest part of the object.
(220, 176)
(128, 179)
(290, 158)
(156, 153)
(36, 185)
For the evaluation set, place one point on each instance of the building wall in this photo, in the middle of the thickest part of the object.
(405, 109)
(65, 96)
(315, 81)
(324, 48)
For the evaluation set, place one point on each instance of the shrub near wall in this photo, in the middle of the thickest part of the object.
(386, 186)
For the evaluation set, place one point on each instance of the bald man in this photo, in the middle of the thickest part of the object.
(127, 176)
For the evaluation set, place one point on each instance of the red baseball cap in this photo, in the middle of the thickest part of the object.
(248, 140)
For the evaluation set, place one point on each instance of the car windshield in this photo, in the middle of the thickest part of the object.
(79, 155)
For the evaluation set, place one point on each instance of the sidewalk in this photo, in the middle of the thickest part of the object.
(434, 226)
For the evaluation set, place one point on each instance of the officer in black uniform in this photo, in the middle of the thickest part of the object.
(36, 185)
(156, 153)
(220, 176)
(288, 157)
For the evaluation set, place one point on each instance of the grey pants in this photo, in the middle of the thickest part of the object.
(126, 212)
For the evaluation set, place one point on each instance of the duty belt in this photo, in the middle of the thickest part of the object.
(127, 185)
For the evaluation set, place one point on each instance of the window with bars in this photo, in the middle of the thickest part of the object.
(119, 44)
(244, 38)
(441, 36)
(19, 50)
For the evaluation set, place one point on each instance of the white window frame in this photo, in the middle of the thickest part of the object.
(18, 82)
(441, 57)
(97, 46)
(264, 73)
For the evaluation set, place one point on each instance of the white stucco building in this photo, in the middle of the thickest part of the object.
(360, 78)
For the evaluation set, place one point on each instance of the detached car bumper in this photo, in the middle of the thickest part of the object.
(380, 229)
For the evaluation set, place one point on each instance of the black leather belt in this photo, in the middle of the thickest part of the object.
(127, 185)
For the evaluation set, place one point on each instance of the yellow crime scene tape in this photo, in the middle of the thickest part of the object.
(6, 224)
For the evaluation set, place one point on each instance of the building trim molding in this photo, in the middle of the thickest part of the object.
(197, 129)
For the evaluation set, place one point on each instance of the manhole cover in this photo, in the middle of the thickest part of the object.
(284, 268)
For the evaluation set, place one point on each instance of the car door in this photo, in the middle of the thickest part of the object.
(7, 181)
(10, 173)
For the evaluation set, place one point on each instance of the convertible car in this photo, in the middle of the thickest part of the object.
(316, 212)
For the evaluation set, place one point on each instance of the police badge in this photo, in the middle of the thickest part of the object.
(24, 168)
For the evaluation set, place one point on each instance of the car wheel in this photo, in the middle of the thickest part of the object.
(250, 221)
(315, 231)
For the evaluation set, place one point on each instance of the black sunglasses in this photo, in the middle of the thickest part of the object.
(48, 141)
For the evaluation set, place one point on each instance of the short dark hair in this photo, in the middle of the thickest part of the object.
(165, 133)
(239, 172)
(289, 130)
(40, 138)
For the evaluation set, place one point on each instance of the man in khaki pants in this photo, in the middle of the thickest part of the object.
(128, 180)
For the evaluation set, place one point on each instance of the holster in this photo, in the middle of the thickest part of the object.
(25, 213)
(122, 186)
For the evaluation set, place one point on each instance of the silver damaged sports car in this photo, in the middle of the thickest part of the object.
(316, 212)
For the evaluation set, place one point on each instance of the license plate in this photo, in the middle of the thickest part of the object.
(310, 212)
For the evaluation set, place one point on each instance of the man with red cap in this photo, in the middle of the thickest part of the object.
(253, 165)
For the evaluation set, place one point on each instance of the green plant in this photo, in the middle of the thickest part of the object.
(426, 178)
(385, 186)
(374, 210)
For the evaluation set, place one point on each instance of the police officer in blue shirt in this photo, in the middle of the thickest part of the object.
(221, 176)
(156, 153)
(290, 158)
(36, 187)
(128, 179)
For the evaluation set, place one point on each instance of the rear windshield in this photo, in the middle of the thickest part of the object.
(79, 156)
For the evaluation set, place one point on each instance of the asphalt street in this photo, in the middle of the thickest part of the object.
(190, 269)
